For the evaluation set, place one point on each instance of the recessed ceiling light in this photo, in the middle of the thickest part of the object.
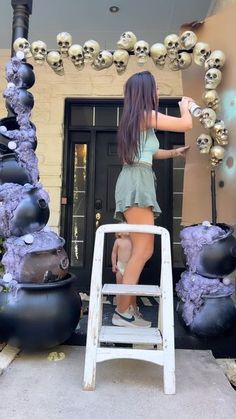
(114, 9)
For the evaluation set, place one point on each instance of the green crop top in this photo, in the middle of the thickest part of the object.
(149, 145)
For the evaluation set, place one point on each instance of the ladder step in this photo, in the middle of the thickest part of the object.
(139, 335)
(125, 289)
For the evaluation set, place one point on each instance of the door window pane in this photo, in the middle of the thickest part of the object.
(106, 116)
(81, 116)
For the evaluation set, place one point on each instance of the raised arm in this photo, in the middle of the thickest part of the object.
(162, 154)
(164, 122)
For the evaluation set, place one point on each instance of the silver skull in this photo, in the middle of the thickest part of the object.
(39, 51)
(207, 117)
(54, 60)
(212, 78)
(103, 60)
(21, 44)
(201, 52)
(172, 44)
(188, 39)
(211, 99)
(76, 56)
(215, 60)
(64, 42)
(220, 133)
(182, 61)
(217, 154)
(120, 59)
(158, 53)
(141, 51)
(91, 50)
(204, 143)
(127, 41)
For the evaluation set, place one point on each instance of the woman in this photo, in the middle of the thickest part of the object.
(135, 188)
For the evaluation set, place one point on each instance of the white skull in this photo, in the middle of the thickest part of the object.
(21, 44)
(91, 50)
(207, 117)
(120, 59)
(217, 154)
(182, 61)
(127, 41)
(39, 51)
(64, 42)
(201, 52)
(54, 59)
(220, 133)
(212, 78)
(215, 60)
(141, 51)
(103, 60)
(211, 99)
(188, 39)
(172, 44)
(204, 143)
(158, 53)
(76, 56)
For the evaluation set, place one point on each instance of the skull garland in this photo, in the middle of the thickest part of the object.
(182, 61)
(220, 133)
(64, 42)
(76, 56)
(188, 40)
(172, 44)
(204, 143)
(127, 41)
(21, 44)
(217, 154)
(91, 50)
(103, 60)
(201, 52)
(216, 60)
(207, 117)
(55, 61)
(212, 78)
(211, 99)
(120, 59)
(39, 51)
(141, 51)
(158, 53)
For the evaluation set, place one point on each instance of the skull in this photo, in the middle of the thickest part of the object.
(158, 53)
(141, 51)
(204, 143)
(76, 56)
(212, 78)
(172, 44)
(207, 117)
(182, 61)
(219, 132)
(103, 60)
(188, 39)
(217, 154)
(21, 44)
(127, 41)
(120, 59)
(91, 50)
(215, 60)
(64, 42)
(39, 51)
(211, 99)
(54, 60)
(201, 52)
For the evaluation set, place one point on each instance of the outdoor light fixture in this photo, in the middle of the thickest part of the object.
(114, 9)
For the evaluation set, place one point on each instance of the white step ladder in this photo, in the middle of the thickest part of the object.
(162, 337)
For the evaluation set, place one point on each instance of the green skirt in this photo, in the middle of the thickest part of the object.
(136, 187)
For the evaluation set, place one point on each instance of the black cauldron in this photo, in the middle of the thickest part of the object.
(40, 316)
(25, 99)
(26, 74)
(11, 171)
(11, 124)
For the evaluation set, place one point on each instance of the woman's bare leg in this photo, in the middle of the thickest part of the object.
(142, 250)
(119, 280)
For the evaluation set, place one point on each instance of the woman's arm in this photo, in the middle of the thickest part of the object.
(164, 122)
(168, 154)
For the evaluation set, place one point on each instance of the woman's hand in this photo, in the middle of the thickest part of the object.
(184, 104)
(181, 151)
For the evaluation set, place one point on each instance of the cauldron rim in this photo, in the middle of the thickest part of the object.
(226, 227)
(211, 296)
(9, 119)
(39, 252)
(48, 285)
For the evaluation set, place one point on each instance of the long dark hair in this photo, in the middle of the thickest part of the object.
(140, 97)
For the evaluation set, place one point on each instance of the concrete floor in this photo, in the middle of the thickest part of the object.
(34, 387)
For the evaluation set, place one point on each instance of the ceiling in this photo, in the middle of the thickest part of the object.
(150, 20)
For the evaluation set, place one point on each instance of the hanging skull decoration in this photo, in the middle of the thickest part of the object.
(141, 51)
(103, 60)
(54, 59)
(188, 40)
(158, 53)
(201, 52)
(212, 78)
(220, 133)
(204, 143)
(64, 42)
(21, 44)
(217, 154)
(127, 41)
(182, 61)
(91, 50)
(207, 117)
(39, 51)
(211, 99)
(172, 44)
(120, 59)
(76, 56)
(215, 60)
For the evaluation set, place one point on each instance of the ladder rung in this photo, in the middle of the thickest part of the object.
(138, 335)
(112, 289)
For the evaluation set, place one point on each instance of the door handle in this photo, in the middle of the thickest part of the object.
(98, 217)
(98, 204)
